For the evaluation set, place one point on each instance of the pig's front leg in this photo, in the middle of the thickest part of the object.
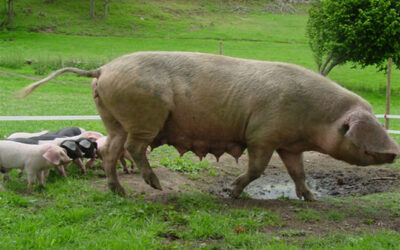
(259, 157)
(294, 165)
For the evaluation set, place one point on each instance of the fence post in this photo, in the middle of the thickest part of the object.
(389, 71)
(220, 48)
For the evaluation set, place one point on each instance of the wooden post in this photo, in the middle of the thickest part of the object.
(389, 71)
(220, 48)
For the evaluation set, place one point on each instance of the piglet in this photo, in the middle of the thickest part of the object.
(49, 135)
(71, 147)
(34, 159)
(26, 135)
(70, 131)
(125, 156)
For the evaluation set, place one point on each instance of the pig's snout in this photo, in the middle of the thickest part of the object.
(380, 158)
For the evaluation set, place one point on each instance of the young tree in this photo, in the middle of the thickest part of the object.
(10, 10)
(92, 8)
(365, 32)
(106, 2)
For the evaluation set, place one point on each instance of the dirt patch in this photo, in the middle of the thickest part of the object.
(326, 177)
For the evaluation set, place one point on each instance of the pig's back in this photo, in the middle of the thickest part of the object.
(15, 154)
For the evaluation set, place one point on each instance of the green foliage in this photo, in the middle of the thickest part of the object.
(334, 215)
(185, 165)
(12, 61)
(364, 32)
(309, 215)
(44, 65)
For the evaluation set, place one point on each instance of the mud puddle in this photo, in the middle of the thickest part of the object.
(349, 182)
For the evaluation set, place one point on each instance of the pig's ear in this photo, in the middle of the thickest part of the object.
(365, 131)
(85, 143)
(52, 156)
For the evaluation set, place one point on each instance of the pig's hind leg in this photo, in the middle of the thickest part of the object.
(114, 145)
(294, 165)
(139, 139)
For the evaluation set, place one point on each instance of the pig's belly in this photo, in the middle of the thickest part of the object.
(201, 136)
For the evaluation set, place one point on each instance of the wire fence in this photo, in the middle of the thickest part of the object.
(96, 117)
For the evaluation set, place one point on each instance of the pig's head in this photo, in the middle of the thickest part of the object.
(56, 155)
(88, 147)
(358, 138)
(73, 151)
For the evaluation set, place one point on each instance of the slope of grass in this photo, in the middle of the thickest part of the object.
(162, 19)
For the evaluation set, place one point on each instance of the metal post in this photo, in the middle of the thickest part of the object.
(220, 48)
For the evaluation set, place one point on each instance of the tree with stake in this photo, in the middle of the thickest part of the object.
(365, 32)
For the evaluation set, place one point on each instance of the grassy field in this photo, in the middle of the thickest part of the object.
(75, 213)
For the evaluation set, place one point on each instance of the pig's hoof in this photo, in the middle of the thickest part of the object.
(236, 192)
(117, 188)
(152, 180)
(308, 196)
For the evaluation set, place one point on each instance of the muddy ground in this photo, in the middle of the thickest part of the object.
(326, 177)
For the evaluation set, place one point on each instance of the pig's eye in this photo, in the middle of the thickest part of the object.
(343, 130)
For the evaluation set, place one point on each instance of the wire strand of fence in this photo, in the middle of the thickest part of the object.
(96, 117)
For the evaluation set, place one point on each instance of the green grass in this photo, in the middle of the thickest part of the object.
(73, 213)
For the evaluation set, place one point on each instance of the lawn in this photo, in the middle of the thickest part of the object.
(78, 212)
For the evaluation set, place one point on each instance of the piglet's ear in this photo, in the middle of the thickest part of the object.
(365, 131)
(85, 144)
(52, 155)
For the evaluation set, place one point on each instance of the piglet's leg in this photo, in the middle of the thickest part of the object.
(46, 173)
(90, 163)
(41, 178)
(123, 162)
(61, 170)
(79, 162)
(6, 177)
(31, 176)
(259, 157)
(294, 165)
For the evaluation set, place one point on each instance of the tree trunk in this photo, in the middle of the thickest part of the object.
(106, 8)
(92, 5)
(328, 59)
(335, 62)
(10, 19)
